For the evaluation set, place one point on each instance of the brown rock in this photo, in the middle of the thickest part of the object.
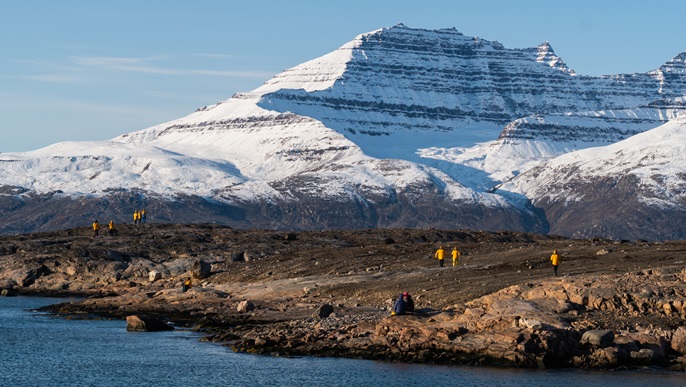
(7, 284)
(146, 324)
(245, 306)
(607, 357)
(598, 338)
(201, 269)
(678, 342)
(323, 311)
(653, 342)
(643, 356)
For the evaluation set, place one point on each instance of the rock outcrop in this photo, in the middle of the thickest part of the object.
(137, 323)
(245, 306)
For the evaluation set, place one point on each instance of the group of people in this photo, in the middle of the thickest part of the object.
(139, 216)
(96, 228)
(440, 255)
(403, 305)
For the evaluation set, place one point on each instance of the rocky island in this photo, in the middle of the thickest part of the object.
(330, 293)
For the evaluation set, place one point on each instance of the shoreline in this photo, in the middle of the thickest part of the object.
(500, 307)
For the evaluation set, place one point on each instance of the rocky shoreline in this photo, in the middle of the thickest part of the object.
(617, 304)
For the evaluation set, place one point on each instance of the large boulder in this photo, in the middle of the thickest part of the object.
(27, 276)
(146, 324)
(245, 306)
(598, 338)
(8, 249)
(201, 269)
(679, 340)
(238, 256)
(118, 256)
(7, 283)
(154, 276)
(323, 311)
(650, 340)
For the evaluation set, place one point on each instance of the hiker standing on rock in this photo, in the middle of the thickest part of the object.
(96, 228)
(456, 256)
(555, 259)
(111, 227)
(142, 216)
(440, 254)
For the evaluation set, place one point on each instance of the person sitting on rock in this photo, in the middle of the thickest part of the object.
(407, 297)
(187, 284)
(400, 307)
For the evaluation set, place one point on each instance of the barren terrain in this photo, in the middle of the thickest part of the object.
(504, 279)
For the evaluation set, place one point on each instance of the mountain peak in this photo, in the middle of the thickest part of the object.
(546, 55)
(400, 27)
(675, 65)
(545, 46)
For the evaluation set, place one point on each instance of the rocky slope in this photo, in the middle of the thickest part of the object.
(330, 293)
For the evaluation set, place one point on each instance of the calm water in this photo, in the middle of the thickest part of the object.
(39, 350)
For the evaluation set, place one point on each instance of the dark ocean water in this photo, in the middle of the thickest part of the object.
(40, 350)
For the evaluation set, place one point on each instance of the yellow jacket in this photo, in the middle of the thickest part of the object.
(111, 225)
(456, 253)
(96, 226)
(555, 259)
(440, 254)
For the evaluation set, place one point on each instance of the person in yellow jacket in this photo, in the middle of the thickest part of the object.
(456, 256)
(96, 228)
(110, 225)
(440, 254)
(187, 284)
(136, 216)
(555, 259)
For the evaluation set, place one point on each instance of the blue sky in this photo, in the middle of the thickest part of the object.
(91, 70)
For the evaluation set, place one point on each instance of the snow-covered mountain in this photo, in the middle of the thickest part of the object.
(633, 187)
(399, 127)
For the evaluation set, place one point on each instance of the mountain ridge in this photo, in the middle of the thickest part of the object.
(400, 126)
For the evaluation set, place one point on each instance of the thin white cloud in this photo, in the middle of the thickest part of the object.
(143, 65)
(53, 78)
(139, 65)
(47, 103)
(211, 55)
(236, 74)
